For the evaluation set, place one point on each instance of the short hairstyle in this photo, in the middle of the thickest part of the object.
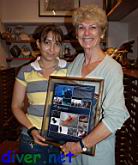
(90, 12)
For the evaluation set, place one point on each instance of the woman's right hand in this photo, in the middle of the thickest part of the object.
(38, 139)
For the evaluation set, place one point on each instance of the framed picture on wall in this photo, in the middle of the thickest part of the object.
(57, 7)
(72, 109)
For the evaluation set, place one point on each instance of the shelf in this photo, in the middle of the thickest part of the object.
(131, 72)
(19, 41)
(32, 41)
(23, 58)
(20, 59)
(122, 9)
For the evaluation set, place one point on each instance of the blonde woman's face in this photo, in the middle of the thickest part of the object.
(89, 34)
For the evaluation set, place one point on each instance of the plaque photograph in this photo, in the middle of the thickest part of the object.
(72, 109)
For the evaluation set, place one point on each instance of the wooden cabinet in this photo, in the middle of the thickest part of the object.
(10, 128)
(118, 9)
(126, 141)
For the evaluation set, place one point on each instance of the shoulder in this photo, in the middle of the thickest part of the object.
(76, 61)
(79, 57)
(112, 73)
(111, 61)
(24, 70)
(112, 65)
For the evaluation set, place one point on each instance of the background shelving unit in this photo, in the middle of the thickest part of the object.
(70, 40)
(126, 141)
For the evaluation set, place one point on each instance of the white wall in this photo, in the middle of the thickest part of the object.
(133, 31)
(16, 11)
(117, 34)
(120, 32)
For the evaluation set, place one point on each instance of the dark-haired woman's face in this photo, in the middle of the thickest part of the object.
(50, 48)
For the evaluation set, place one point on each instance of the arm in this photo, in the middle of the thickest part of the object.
(98, 134)
(18, 103)
(17, 109)
(115, 112)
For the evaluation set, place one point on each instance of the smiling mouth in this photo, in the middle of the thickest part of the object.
(87, 39)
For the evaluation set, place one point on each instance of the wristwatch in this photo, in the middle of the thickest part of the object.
(84, 148)
(30, 130)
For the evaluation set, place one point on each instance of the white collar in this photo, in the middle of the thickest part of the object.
(61, 63)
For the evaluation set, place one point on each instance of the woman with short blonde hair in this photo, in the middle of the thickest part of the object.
(91, 22)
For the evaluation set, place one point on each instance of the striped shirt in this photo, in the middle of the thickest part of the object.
(36, 89)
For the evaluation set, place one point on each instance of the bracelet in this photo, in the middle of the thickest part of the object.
(30, 130)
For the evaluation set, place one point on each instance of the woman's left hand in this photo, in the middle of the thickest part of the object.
(73, 147)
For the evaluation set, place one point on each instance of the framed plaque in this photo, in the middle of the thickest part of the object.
(72, 109)
(58, 8)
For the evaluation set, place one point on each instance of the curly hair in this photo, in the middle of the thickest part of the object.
(90, 12)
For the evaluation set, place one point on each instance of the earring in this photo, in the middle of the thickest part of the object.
(102, 36)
